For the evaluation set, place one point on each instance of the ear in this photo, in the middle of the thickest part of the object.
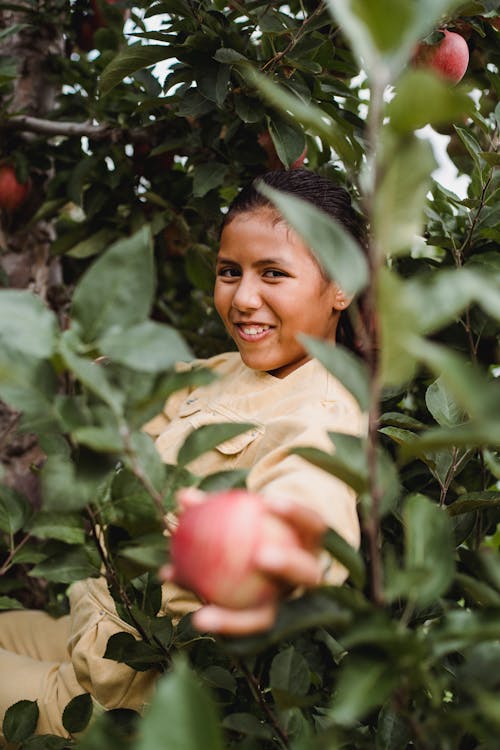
(340, 299)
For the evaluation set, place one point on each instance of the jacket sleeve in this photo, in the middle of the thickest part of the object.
(279, 473)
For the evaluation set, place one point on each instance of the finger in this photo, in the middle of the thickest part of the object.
(309, 524)
(166, 573)
(234, 621)
(295, 565)
(188, 496)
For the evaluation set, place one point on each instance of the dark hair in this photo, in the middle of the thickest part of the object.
(326, 195)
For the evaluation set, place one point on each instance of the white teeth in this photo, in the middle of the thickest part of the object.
(254, 330)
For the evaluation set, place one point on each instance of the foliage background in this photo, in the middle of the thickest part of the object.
(107, 274)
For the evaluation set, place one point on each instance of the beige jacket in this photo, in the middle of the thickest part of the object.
(298, 410)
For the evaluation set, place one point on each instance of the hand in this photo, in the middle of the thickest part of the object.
(298, 567)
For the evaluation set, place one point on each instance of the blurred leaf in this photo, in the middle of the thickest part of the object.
(304, 113)
(401, 196)
(363, 685)
(207, 437)
(383, 34)
(423, 98)
(398, 323)
(344, 365)
(317, 608)
(29, 385)
(181, 715)
(77, 713)
(223, 480)
(125, 272)
(147, 346)
(334, 247)
(20, 721)
(7, 602)
(346, 555)
(289, 675)
(248, 725)
(26, 324)
(429, 548)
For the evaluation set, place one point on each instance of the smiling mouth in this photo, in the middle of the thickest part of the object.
(252, 332)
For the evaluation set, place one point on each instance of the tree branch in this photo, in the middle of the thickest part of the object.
(52, 128)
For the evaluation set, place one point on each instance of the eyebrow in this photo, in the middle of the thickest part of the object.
(263, 262)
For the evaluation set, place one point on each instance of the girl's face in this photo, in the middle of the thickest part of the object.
(268, 289)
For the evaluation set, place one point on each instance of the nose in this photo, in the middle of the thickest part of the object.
(247, 295)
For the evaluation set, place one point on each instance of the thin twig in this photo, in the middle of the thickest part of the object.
(261, 700)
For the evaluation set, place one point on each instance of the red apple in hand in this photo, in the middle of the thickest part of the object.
(214, 549)
(449, 58)
(12, 192)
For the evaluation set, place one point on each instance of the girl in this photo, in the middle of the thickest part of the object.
(269, 289)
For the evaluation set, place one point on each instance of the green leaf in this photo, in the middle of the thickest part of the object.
(90, 373)
(398, 322)
(181, 715)
(77, 713)
(383, 34)
(29, 385)
(101, 439)
(334, 247)
(93, 244)
(223, 480)
(118, 288)
(470, 502)
(423, 98)
(442, 405)
(248, 725)
(468, 386)
(147, 347)
(363, 685)
(20, 721)
(315, 609)
(7, 602)
(26, 324)
(73, 565)
(15, 510)
(401, 196)
(125, 649)
(346, 555)
(350, 466)
(229, 56)
(429, 548)
(208, 176)
(66, 527)
(289, 140)
(208, 437)
(305, 114)
(132, 58)
(344, 365)
(289, 675)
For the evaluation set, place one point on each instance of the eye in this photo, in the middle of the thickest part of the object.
(273, 273)
(229, 272)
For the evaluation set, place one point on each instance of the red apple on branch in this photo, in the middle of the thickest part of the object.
(273, 160)
(12, 192)
(449, 57)
(214, 549)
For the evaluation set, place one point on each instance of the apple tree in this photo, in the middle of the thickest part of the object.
(126, 129)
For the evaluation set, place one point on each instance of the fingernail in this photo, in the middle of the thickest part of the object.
(206, 619)
(270, 557)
